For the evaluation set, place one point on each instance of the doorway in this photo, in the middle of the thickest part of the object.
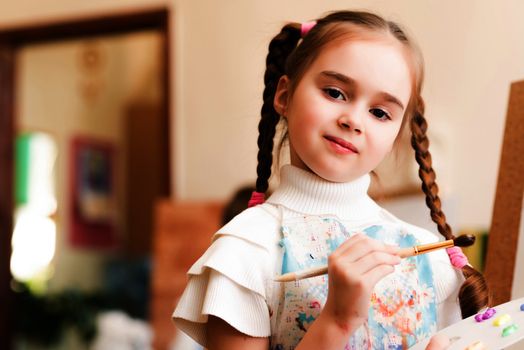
(142, 145)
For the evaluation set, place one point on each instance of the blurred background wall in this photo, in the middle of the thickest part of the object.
(471, 54)
(84, 88)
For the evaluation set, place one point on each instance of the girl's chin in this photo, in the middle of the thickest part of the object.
(337, 176)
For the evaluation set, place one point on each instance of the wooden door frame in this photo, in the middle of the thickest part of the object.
(505, 224)
(11, 40)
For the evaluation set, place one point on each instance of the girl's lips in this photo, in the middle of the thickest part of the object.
(342, 143)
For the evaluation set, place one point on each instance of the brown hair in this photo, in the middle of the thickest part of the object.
(291, 55)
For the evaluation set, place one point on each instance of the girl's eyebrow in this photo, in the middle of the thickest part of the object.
(344, 79)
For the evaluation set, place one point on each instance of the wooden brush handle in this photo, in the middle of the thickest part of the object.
(425, 248)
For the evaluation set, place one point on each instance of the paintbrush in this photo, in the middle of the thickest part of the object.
(460, 241)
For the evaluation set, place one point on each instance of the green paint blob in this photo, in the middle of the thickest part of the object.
(509, 330)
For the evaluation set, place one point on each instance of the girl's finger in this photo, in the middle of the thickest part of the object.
(362, 246)
(438, 342)
(350, 242)
(372, 260)
(377, 273)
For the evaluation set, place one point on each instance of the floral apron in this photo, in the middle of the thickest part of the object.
(402, 308)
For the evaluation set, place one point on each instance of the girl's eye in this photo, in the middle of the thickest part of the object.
(380, 114)
(335, 94)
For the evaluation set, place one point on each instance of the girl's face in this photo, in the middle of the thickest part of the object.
(347, 109)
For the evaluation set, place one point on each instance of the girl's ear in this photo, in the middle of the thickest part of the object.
(280, 102)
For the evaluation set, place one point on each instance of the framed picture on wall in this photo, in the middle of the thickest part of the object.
(93, 199)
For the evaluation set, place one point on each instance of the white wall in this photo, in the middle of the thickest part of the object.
(473, 51)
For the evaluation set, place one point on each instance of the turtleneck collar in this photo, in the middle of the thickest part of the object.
(307, 193)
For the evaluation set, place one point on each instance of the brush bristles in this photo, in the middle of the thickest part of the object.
(464, 240)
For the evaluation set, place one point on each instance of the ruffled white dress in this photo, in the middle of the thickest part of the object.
(233, 280)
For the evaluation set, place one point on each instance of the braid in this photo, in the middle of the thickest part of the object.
(474, 293)
(420, 144)
(279, 49)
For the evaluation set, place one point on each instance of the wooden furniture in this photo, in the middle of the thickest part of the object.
(504, 231)
(146, 173)
(183, 231)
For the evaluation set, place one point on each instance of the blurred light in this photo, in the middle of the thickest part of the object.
(33, 244)
(34, 234)
(41, 191)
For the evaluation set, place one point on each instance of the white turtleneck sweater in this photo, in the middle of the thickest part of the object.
(233, 280)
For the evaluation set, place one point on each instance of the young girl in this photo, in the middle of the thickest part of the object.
(344, 86)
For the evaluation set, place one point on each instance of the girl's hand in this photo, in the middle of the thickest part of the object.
(438, 342)
(353, 269)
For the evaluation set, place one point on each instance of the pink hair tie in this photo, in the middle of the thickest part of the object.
(306, 27)
(457, 257)
(256, 199)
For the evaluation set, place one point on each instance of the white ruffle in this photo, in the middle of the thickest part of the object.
(212, 293)
(263, 223)
(231, 279)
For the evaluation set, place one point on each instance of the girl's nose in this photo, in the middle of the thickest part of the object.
(347, 122)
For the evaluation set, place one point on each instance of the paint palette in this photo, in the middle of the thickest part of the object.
(468, 331)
